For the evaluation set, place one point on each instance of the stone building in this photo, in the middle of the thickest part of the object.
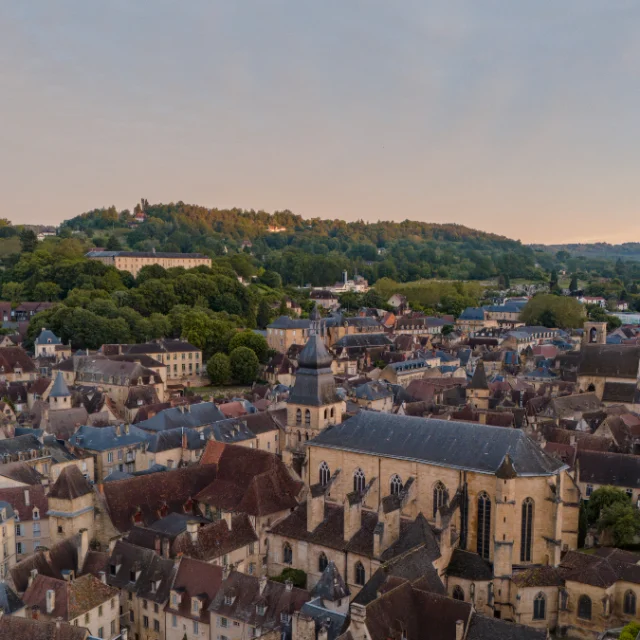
(30, 507)
(133, 261)
(478, 389)
(510, 503)
(608, 368)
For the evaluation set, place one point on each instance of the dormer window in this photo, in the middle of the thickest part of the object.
(137, 517)
(175, 599)
(195, 606)
(36, 514)
(228, 599)
(261, 609)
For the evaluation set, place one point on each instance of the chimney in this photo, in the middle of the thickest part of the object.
(165, 548)
(26, 498)
(262, 583)
(226, 571)
(185, 444)
(303, 626)
(323, 632)
(288, 583)
(84, 548)
(157, 545)
(228, 518)
(459, 629)
(126, 429)
(315, 507)
(32, 576)
(352, 515)
(51, 601)
(117, 431)
(387, 530)
(103, 576)
(192, 530)
(358, 612)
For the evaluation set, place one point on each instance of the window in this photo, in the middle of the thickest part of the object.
(196, 626)
(325, 474)
(458, 592)
(156, 625)
(145, 622)
(322, 562)
(629, 492)
(101, 632)
(287, 553)
(36, 529)
(36, 514)
(307, 416)
(359, 480)
(589, 490)
(395, 484)
(526, 530)
(100, 610)
(18, 529)
(174, 620)
(439, 497)
(540, 607)
(110, 456)
(113, 627)
(145, 604)
(629, 604)
(87, 618)
(484, 525)
(19, 548)
(223, 622)
(156, 608)
(584, 607)
(359, 573)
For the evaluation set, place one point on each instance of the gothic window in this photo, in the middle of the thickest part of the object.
(593, 335)
(322, 562)
(584, 607)
(325, 414)
(484, 525)
(325, 474)
(299, 436)
(629, 605)
(306, 436)
(333, 411)
(439, 497)
(458, 593)
(298, 416)
(591, 388)
(540, 607)
(307, 417)
(287, 553)
(359, 480)
(395, 484)
(526, 530)
(359, 573)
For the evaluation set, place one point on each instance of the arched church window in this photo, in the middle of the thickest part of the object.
(484, 525)
(325, 474)
(395, 484)
(359, 480)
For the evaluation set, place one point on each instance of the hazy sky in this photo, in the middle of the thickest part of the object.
(521, 118)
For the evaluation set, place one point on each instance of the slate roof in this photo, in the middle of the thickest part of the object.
(331, 586)
(21, 472)
(616, 469)
(373, 391)
(285, 322)
(479, 379)
(621, 392)
(195, 415)
(326, 619)
(47, 336)
(543, 576)
(472, 313)
(314, 385)
(616, 361)
(470, 566)
(460, 445)
(485, 628)
(143, 254)
(9, 600)
(105, 438)
(354, 340)
(59, 389)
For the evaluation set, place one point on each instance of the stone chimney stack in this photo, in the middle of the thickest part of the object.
(192, 530)
(27, 500)
(166, 548)
(263, 584)
(459, 629)
(303, 627)
(352, 515)
(84, 548)
(315, 507)
(32, 576)
(51, 601)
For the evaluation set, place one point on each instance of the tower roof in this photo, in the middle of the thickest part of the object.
(314, 383)
(331, 586)
(314, 355)
(59, 388)
(479, 380)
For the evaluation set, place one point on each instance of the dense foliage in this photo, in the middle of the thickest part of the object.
(548, 310)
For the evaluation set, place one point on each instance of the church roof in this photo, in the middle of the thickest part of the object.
(459, 445)
(59, 388)
(315, 354)
(479, 380)
(314, 385)
(331, 586)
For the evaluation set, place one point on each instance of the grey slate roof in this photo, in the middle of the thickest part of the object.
(479, 380)
(484, 628)
(59, 389)
(9, 600)
(460, 445)
(104, 438)
(331, 586)
(373, 391)
(47, 337)
(619, 361)
(616, 469)
(470, 566)
(285, 322)
(195, 415)
(314, 383)
(142, 254)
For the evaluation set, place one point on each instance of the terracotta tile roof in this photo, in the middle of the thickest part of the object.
(212, 452)
(95, 562)
(18, 497)
(14, 628)
(12, 358)
(143, 499)
(195, 578)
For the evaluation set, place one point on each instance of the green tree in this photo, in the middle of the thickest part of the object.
(244, 365)
(271, 279)
(263, 316)
(113, 243)
(28, 240)
(573, 285)
(219, 368)
(553, 311)
(630, 631)
(603, 498)
(251, 340)
(447, 329)
(47, 292)
(622, 520)
(13, 291)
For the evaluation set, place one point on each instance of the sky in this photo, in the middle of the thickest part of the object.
(519, 118)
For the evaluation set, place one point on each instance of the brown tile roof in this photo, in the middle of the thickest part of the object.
(95, 562)
(599, 571)
(71, 484)
(616, 469)
(14, 628)
(544, 576)
(12, 358)
(142, 499)
(212, 452)
(36, 593)
(196, 578)
(62, 556)
(18, 497)
(21, 472)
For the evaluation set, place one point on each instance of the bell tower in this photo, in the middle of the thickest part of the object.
(594, 333)
(313, 403)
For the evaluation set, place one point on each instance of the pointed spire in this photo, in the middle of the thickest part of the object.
(479, 380)
(59, 389)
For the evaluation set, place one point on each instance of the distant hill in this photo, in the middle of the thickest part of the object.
(603, 250)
